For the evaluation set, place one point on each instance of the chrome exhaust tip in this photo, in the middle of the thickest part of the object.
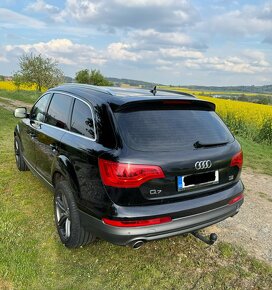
(137, 245)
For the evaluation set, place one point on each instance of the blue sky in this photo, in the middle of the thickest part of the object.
(182, 42)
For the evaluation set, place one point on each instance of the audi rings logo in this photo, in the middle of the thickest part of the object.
(205, 164)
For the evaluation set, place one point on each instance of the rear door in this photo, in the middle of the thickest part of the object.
(50, 132)
(82, 146)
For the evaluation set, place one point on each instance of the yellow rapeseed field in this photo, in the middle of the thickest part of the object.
(9, 86)
(250, 113)
(250, 120)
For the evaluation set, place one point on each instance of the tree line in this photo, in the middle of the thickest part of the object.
(45, 73)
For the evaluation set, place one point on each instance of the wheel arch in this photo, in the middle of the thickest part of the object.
(63, 169)
(16, 132)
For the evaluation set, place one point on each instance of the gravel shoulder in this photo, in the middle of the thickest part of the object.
(251, 228)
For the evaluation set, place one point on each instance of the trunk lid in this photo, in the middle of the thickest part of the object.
(186, 139)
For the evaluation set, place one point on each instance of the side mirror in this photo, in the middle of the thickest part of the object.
(20, 112)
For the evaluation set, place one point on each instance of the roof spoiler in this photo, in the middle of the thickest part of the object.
(181, 103)
(176, 92)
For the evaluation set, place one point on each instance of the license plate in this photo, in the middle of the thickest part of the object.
(196, 180)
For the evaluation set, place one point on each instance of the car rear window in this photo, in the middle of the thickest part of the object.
(170, 130)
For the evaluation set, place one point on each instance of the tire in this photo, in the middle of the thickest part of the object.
(20, 162)
(67, 220)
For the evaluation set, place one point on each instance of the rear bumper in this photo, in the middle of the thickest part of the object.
(126, 236)
(179, 225)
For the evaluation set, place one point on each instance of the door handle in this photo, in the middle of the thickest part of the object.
(54, 148)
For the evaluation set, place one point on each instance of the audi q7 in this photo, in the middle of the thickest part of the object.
(130, 165)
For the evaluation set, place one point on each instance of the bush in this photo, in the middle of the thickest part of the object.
(244, 129)
(93, 77)
(265, 133)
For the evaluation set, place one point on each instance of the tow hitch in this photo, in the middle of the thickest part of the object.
(208, 240)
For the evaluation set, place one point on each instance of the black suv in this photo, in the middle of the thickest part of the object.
(130, 165)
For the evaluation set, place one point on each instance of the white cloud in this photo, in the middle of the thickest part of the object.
(247, 21)
(79, 10)
(3, 58)
(11, 19)
(176, 60)
(157, 38)
(42, 7)
(231, 64)
(254, 54)
(144, 3)
(119, 51)
(145, 37)
(120, 14)
(62, 50)
(180, 53)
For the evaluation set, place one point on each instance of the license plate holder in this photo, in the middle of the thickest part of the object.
(191, 181)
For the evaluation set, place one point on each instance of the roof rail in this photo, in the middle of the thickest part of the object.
(91, 87)
(177, 92)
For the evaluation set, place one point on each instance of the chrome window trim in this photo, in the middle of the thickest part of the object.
(46, 93)
(94, 127)
(67, 131)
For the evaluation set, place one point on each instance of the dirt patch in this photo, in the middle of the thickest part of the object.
(11, 105)
(5, 285)
(251, 228)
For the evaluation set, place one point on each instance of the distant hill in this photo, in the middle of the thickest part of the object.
(244, 89)
(68, 79)
(119, 82)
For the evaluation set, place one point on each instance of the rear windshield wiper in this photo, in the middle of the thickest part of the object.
(199, 144)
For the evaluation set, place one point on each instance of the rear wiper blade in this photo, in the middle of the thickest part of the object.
(199, 144)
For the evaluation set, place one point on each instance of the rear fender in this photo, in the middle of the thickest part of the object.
(64, 166)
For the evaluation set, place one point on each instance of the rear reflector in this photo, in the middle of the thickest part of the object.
(237, 198)
(126, 175)
(237, 160)
(137, 223)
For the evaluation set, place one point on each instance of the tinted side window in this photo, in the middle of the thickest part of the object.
(58, 112)
(82, 120)
(39, 110)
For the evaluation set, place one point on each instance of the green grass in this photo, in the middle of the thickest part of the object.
(24, 96)
(257, 156)
(31, 256)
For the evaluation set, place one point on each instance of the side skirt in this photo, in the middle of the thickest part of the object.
(37, 174)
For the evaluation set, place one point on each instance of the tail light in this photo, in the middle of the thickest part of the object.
(126, 175)
(237, 160)
(137, 223)
(236, 199)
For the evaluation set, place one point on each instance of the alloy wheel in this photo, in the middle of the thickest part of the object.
(17, 151)
(63, 216)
